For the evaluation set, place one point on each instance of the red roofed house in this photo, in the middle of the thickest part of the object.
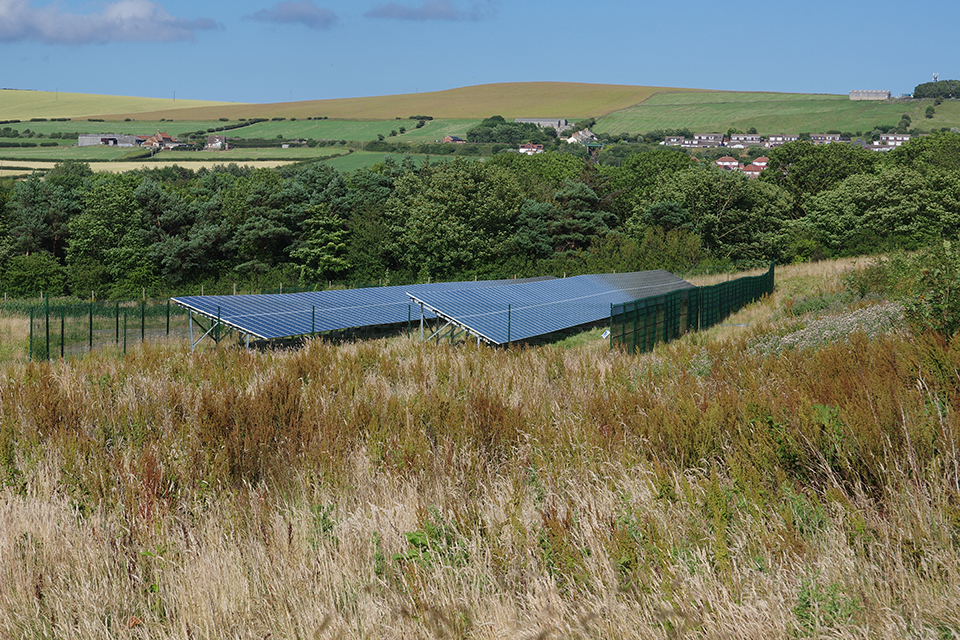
(531, 148)
(752, 170)
(761, 161)
(161, 141)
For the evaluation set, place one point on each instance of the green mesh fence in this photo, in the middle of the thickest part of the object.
(639, 325)
(63, 328)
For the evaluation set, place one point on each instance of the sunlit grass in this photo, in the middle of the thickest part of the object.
(396, 489)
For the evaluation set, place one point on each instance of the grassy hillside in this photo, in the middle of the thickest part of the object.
(717, 111)
(24, 105)
(511, 100)
(396, 489)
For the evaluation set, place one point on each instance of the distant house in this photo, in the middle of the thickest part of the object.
(727, 162)
(894, 139)
(752, 170)
(673, 141)
(582, 137)
(161, 140)
(824, 138)
(780, 139)
(890, 141)
(531, 148)
(744, 140)
(704, 141)
(454, 140)
(216, 142)
(761, 161)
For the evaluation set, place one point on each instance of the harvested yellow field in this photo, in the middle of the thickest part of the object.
(510, 100)
(21, 168)
(24, 105)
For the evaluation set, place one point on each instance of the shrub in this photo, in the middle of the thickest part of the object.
(936, 302)
(28, 275)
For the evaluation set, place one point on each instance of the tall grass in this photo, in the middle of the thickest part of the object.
(395, 489)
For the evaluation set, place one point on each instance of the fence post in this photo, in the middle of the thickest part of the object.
(116, 317)
(168, 317)
(91, 325)
(46, 299)
(611, 326)
(31, 334)
(63, 335)
(143, 320)
(124, 332)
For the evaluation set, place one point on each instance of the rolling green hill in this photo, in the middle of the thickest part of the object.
(617, 108)
(717, 111)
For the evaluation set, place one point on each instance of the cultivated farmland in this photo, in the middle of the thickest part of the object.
(771, 113)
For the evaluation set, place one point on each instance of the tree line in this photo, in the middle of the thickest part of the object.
(174, 230)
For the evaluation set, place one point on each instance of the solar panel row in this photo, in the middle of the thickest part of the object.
(272, 316)
(526, 310)
(497, 311)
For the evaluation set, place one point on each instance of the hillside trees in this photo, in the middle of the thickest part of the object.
(321, 253)
(895, 207)
(939, 150)
(944, 89)
(633, 183)
(735, 218)
(109, 244)
(497, 129)
(38, 214)
(174, 231)
(453, 219)
(804, 170)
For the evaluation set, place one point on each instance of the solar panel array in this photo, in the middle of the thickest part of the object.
(283, 315)
(526, 310)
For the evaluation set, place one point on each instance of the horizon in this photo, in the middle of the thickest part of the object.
(262, 52)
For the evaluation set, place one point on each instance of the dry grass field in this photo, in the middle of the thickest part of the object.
(394, 489)
(511, 100)
(20, 168)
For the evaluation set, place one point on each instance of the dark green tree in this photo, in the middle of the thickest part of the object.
(804, 170)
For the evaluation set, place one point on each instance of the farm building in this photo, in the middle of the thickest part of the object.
(870, 95)
(109, 140)
(560, 124)
(160, 140)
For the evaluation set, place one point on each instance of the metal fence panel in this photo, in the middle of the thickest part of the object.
(69, 328)
(640, 324)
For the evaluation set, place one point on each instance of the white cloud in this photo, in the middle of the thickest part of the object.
(432, 10)
(297, 12)
(120, 21)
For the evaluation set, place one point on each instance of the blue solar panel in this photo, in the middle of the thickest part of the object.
(271, 316)
(526, 310)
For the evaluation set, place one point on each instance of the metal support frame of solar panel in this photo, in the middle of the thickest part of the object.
(286, 315)
(528, 310)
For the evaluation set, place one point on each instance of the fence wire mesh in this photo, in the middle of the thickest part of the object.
(640, 324)
(70, 328)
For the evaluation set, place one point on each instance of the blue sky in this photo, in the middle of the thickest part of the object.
(265, 51)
